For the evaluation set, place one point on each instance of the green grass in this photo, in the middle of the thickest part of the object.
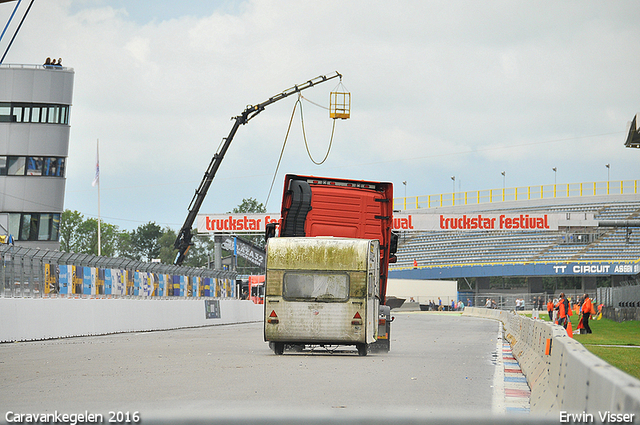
(625, 359)
(614, 337)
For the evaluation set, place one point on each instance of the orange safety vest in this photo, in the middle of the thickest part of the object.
(550, 305)
(587, 306)
(562, 309)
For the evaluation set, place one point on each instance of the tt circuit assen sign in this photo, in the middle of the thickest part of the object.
(255, 223)
(515, 269)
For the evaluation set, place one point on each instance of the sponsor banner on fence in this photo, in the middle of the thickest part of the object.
(256, 223)
(76, 280)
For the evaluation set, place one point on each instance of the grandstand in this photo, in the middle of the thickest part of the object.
(475, 253)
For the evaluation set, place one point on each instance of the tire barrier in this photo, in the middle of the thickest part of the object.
(563, 376)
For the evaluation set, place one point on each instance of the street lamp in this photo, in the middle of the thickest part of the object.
(405, 194)
(504, 178)
(555, 176)
(453, 192)
(608, 168)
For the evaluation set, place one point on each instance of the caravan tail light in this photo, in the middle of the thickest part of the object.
(357, 319)
(273, 318)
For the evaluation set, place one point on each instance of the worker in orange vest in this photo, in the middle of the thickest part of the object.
(587, 311)
(550, 309)
(564, 310)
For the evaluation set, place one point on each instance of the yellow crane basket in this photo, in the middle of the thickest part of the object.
(340, 104)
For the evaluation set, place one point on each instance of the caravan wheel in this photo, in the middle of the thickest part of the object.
(278, 348)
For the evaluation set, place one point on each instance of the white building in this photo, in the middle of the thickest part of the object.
(35, 104)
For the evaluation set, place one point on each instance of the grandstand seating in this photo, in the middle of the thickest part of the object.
(446, 248)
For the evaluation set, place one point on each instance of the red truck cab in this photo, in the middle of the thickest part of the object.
(256, 288)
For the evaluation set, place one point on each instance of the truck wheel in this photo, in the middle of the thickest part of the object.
(362, 349)
(384, 345)
(278, 348)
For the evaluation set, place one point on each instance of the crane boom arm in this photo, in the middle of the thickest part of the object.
(183, 241)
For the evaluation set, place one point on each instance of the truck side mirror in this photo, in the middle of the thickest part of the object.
(393, 245)
(270, 231)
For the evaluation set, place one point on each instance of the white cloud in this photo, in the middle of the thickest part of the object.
(438, 89)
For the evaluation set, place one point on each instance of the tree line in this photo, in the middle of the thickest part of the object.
(147, 242)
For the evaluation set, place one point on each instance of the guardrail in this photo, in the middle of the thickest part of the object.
(562, 374)
(525, 193)
(30, 66)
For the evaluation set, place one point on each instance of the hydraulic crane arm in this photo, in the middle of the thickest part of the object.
(183, 241)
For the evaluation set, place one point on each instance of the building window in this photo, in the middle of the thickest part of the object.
(34, 226)
(53, 167)
(28, 227)
(15, 165)
(44, 228)
(34, 113)
(5, 112)
(32, 166)
(14, 225)
(17, 111)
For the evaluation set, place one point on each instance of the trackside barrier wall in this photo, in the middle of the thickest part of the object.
(51, 294)
(28, 319)
(570, 378)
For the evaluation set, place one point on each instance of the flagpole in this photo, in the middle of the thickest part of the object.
(98, 178)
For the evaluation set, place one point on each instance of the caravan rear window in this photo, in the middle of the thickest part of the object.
(316, 286)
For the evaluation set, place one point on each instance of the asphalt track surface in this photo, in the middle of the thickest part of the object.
(439, 364)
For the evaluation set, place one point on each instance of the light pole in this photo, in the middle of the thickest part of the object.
(453, 192)
(504, 178)
(555, 176)
(608, 169)
(405, 194)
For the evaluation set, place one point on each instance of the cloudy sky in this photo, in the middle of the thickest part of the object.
(454, 88)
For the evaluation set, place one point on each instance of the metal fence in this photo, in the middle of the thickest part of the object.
(525, 193)
(35, 273)
(504, 301)
(620, 296)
